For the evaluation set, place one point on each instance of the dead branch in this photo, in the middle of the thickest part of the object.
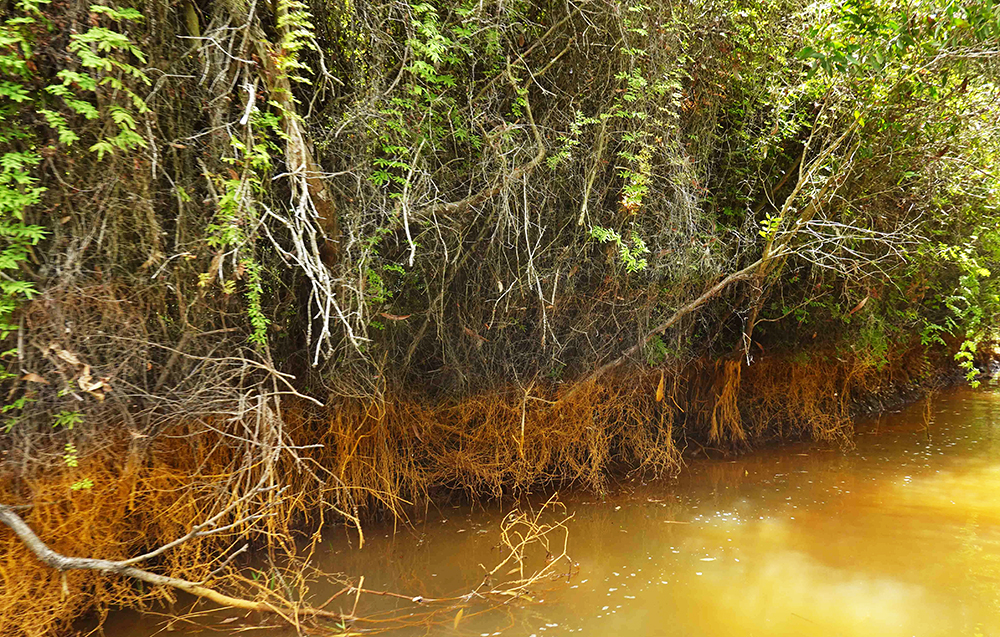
(63, 563)
(708, 295)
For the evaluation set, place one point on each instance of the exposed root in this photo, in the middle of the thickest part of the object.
(726, 420)
(533, 557)
(389, 455)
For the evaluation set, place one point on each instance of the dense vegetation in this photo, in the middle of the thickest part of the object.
(463, 244)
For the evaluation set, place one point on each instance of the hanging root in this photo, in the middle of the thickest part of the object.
(367, 455)
(534, 557)
(726, 421)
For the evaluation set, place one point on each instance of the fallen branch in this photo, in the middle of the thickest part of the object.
(63, 563)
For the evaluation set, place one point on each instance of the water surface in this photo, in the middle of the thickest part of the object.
(899, 535)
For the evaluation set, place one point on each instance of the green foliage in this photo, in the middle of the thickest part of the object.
(237, 215)
(71, 456)
(101, 75)
(432, 48)
(872, 343)
(297, 31)
(970, 304)
(865, 37)
(18, 191)
(254, 293)
(770, 226)
(14, 407)
(668, 131)
(234, 230)
(570, 141)
(83, 484)
(656, 351)
(636, 178)
(630, 252)
(634, 106)
(105, 56)
(425, 116)
(67, 419)
(377, 291)
(18, 188)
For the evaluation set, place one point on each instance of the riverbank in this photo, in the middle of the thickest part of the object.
(269, 268)
(357, 460)
(792, 539)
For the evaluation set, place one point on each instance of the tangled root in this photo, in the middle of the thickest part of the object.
(382, 455)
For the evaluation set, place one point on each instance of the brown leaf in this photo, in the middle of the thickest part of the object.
(69, 357)
(394, 317)
(213, 270)
(32, 377)
(87, 382)
(859, 306)
(660, 389)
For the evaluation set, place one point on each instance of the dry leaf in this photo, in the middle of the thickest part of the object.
(458, 618)
(87, 382)
(476, 337)
(32, 377)
(859, 306)
(69, 357)
(95, 388)
(394, 317)
(213, 270)
(660, 389)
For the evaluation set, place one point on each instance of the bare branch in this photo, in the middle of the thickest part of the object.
(64, 563)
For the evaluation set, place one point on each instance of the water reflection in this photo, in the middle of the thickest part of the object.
(897, 536)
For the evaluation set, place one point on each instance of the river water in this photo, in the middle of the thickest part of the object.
(898, 535)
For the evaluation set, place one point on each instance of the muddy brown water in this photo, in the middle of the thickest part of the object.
(899, 535)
